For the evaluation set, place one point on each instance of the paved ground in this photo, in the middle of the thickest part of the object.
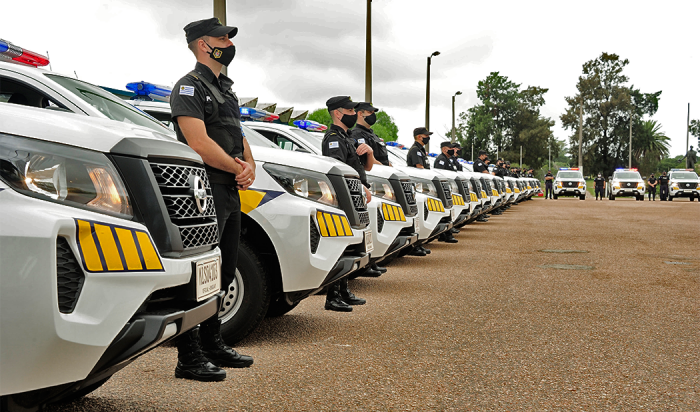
(491, 323)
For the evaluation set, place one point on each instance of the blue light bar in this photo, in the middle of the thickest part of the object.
(566, 168)
(432, 154)
(392, 144)
(470, 162)
(253, 113)
(310, 125)
(146, 89)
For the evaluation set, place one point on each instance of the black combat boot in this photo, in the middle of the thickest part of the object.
(378, 268)
(347, 296)
(191, 362)
(334, 301)
(216, 350)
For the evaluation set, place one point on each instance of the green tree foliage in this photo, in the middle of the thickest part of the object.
(384, 127)
(607, 104)
(649, 145)
(507, 118)
(695, 131)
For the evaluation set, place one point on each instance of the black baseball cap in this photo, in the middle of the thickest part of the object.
(456, 145)
(483, 152)
(445, 144)
(421, 130)
(366, 106)
(208, 27)
(338, 102)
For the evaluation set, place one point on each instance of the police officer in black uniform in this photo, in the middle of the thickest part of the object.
(599, 184)
(480, 165)
(366, 117)
(652, 187)
(416, 154)
(338, 144)
(206, 116)
(548, 182)
(363, 133)
(663, 185)
(444, 159)
(455, 157)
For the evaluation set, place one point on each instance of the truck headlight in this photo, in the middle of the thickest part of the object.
(304, 183)
(63, 174)
(381, 188)
(425, 186)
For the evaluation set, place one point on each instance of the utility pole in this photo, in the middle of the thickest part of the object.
(368, 55)
(580, 136)
(549, 144)
(630, 166)
(521, 157)
(453, 115)
(220, 13)
(427, 97)
(687, 138)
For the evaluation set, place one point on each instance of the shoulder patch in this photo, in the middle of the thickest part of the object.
(187, 90)
(361, 140)
(333, 145)
(419, 153)
(441, 162)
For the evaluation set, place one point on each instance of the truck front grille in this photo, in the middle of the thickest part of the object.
(380, 221)
(448, 194)
(409, 189)
(189, 209)
(358, 199)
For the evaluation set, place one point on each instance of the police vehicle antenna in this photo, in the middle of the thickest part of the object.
(687, 137)
(49, 57)
(76, 74)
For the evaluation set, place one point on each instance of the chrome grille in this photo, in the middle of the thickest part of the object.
(465, 188)
(364, 217)
(356, 192)
(197, 229)
(448, 194)
(409, 189)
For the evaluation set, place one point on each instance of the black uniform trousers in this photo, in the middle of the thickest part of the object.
(599, 191)
(548, 189)
(652, 192)
(663, 193)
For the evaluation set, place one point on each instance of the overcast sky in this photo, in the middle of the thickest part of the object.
(300, 52)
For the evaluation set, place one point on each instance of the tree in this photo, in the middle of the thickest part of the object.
(508, 118)
(695, 130)
(607, 106)
(384, 127)
(649, 146)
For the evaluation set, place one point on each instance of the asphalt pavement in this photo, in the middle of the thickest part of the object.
(555, 305)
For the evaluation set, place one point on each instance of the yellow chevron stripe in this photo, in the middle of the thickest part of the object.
(321, 224)
(329, 223)
(149, 253)
(109, 247)
(338, 225)
(91, 255)
(402, 215)
(131, 253)
(333, 225)
(346, 226)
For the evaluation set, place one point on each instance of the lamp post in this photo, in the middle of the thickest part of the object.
(368, 55)
(453, 115)
(220, 13)
(427, 97)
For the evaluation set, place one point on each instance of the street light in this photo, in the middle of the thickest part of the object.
(427, 97)
(368, 54)
(453, 115)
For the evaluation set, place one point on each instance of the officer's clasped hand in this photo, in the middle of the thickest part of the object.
(245, 178)
(364, 148)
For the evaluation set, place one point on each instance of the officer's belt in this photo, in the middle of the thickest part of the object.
(219, 177)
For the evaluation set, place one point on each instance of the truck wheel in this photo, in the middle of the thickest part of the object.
(611, 197)
(84, 391)
(670, 198)
(247, 300)
(555, 196)
(582, 197)
(280, 307)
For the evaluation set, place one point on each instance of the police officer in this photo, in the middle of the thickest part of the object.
(599, 184)
(548, 182)
(455, 158)
(206, 116)
(366, 118)
(338, 144)
(444, 159)
(419, 159)
(363, 133)
(416, 154)
(652, 187)
(480, 165)
(663, 186)
(500, 168)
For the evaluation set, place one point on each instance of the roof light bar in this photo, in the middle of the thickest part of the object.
(9, 51)
(145, 89)
(682, 170)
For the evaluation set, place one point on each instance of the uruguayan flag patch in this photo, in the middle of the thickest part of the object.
(419, 153)
(441, 162)
(361, 140)
(187, 90)
(333, 145)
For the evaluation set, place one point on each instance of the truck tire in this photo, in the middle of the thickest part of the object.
(582, 197)
(247, 301)
(611, 197)
(83, 392)
(280, 307)
(670, 198)
(555, 197)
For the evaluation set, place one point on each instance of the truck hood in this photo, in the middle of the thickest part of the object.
(316, 163)
(387, 172)
(419, 173)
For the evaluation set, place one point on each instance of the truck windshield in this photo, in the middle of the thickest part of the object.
(685, 175)
(256, 139)
(628, 175)
(107, 103)
(569, 175)
(311, 138)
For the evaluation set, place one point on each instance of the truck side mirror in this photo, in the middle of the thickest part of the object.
(609, 177)
(644, 178)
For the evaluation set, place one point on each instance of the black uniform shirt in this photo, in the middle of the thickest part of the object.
(455, 162)
(651, 181)
(417, 156)
(480, 166)
(599, 182)
(548, 181)
(338, 145)
(362, 134)
(191, 97)
(663, 180)
(501, 171)
(443, 162)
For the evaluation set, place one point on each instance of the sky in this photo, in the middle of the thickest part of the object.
(301, 52)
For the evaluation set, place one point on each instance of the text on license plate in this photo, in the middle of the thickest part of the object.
(369, 246)
(208, 274)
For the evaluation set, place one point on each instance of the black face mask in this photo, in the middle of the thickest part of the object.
(426, 139)
(371, 119)
(349, 120)
(223, 56)
(451, 152)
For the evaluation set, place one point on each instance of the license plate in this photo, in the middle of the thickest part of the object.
(208, 278)
(369, 246)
